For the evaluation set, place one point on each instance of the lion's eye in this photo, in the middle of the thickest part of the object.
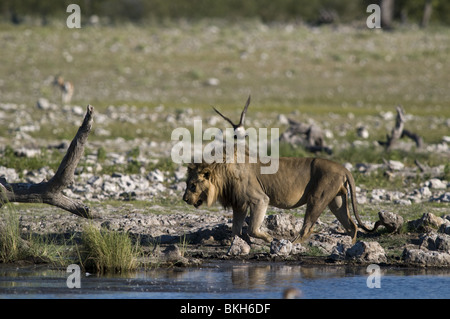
(192, 187)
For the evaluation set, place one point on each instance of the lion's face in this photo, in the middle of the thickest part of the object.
(197, 185)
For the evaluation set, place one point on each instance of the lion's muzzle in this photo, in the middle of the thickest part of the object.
(189, 200)
(186, 199)
(198, 203)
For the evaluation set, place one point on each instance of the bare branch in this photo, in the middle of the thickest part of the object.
(399, 132)
(66, 170)
(416, 138)
(51, 192)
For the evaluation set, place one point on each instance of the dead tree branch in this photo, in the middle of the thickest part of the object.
(399, 132)
(416, 138)
(50, 192)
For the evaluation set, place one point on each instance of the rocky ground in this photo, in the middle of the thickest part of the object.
(183, 236)
(148, 205)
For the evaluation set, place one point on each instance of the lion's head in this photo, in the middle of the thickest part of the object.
(199, 185)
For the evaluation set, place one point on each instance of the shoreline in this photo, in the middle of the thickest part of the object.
(193, 238)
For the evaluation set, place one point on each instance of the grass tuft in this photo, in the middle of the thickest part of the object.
(107, 251)
(11, 244)
(36, 248)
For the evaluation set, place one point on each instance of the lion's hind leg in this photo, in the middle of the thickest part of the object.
(316, 203)
(339, 207)
(313, 212)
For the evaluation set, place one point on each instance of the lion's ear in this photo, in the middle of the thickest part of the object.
(207, 174)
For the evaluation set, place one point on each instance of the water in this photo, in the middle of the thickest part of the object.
(225, 279)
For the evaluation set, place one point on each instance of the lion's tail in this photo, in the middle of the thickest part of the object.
(351, 183)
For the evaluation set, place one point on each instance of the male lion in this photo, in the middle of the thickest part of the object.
(316, 182)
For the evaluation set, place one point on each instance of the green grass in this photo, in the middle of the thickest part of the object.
(11, 244)
(46, 157)
(315, 251)
(394, 244)
(37, 248)
(371, 154)
(284, 70)
(47, 249)
(184, 242)
(378, 179)
(107, 251)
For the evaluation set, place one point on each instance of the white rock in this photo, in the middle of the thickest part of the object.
(43, 104)
(77, 110)
(156, 176)
(444, 198)
(9, 174)
(387, 116)
(348, 166)
(395, 165)
(436, 183)
(212, 82)
(180, 173)
(370, 251)
(282, 119)
(362, 132)
(282, 247)
(239, 247)
(109, 187)
(404, 202)
(425, 191)
(426, 258)
(298, 249)
(27, 152)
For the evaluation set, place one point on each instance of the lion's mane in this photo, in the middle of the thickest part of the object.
(226, 186)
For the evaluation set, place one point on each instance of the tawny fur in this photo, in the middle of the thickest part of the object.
(318, 183)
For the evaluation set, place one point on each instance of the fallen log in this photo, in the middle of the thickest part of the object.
(50, 192)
